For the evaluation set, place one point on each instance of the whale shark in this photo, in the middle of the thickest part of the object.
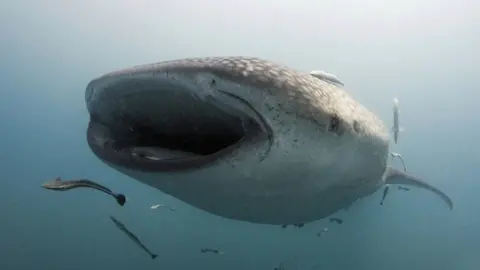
(241, 138)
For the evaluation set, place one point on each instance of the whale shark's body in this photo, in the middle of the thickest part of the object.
(241, 137)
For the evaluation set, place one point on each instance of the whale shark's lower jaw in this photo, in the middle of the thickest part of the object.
(155, 128)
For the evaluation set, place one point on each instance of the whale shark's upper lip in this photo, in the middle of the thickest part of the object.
(152, 124)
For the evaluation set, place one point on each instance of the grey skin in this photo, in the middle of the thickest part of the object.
(60, 185)
(132, 236)
(242, 138)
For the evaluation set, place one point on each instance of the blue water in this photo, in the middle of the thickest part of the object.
(423, 52)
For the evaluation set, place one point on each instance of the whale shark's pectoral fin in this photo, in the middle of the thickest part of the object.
(394, 176)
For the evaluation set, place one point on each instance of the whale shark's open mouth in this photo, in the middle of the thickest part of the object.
(153, 128)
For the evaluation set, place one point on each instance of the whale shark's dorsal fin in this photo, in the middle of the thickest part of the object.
(394, 176)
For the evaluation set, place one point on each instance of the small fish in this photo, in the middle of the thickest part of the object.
(397, 155)
(162, 205)
(216, 251)
(325, 76)
(337, 220)
(132, 236)
(60, 185)
(396, 129)
(403, 188)
(385, 192)
(322, 232)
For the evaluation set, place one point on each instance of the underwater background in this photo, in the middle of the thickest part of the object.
(423, 52)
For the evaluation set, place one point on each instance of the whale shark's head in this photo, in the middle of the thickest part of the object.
(173, 116)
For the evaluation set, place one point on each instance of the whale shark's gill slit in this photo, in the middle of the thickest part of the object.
(265, 126)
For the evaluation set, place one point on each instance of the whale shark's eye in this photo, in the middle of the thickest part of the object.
(334, 124)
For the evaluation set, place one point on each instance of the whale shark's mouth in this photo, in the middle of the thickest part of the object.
(158, 129)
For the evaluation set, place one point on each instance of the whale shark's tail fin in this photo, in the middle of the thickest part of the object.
(394, 176)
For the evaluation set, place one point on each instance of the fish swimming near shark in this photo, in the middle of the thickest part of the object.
(396, 129)
(328, 77)
(384, 194)
(60, 185)
(242, 138)
(132, 236)
(211, 250)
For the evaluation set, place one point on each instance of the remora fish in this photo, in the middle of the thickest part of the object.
(396, 129)
(384, 195)
(211, 250)
(132, 236)
(272, 145)
(60, 185)
(322, 75)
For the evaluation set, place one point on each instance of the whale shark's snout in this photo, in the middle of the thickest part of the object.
(169, 118)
